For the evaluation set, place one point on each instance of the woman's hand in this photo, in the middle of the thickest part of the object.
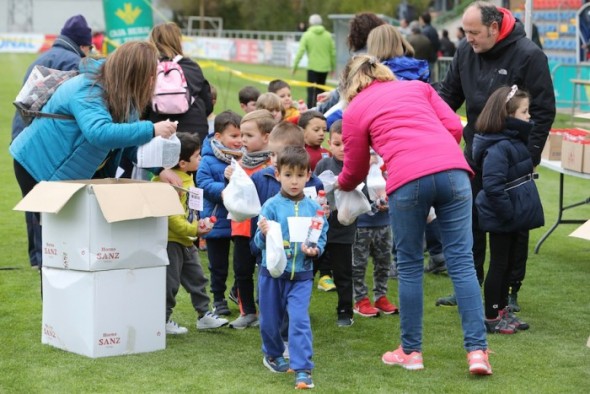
(165, 128)
(169, 176)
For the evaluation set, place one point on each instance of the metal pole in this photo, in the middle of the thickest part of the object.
(528, 18)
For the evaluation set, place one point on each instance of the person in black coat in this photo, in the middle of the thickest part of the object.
(167, 38)
(508, 204)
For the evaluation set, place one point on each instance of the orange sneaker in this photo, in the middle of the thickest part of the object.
(478, 363)
(364, 308)
(385, 306)
(412, 361)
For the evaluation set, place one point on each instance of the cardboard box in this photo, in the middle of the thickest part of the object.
(586, 159)
(103, 224)
(104, 313)
(572, 155)
(552, 149)
(582, 232)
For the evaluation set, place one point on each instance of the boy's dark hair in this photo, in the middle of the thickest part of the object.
(247, 94)
(293, 157)
(336, 127)
(492, 118)
(276, 85)
(288, 134)
(426, 17)
(189, 144)
(224, 119)
(307, 116)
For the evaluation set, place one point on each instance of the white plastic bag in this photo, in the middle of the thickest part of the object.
(375, 183)
(159, 152)
(276, 259)
(239, 196)
(329, 180)
(350, 205)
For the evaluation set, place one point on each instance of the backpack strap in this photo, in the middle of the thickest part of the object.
(27, 113)
(177, 58)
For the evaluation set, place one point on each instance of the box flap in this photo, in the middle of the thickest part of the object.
(135, 200)
(582, 232)
(49, 197)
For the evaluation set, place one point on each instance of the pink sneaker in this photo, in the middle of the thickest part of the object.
(478, 363)
(412, 361)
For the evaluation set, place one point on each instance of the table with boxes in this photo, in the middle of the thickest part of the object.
(567, 151)
(104, 264)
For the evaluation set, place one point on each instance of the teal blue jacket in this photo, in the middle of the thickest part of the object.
(57, 149)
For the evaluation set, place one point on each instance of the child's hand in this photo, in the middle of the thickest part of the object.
(263, 225)
(311, 252)
(228, 171)
(322, 97)
(302, 106)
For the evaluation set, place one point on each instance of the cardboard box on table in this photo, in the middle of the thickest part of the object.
(103, 224)
(104, 313)
(104, 257)
(572, 149)
(552, 149)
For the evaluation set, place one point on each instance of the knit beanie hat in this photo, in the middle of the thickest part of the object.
(77, 30)
(315, 19)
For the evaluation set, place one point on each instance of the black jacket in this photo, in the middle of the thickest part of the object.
(195, 119)
(509, 200)
(472, 78)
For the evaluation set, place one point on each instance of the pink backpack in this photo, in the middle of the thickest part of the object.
(171, 94)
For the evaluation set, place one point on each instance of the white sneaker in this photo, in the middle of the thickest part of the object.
(174, 329)
(209, 320)
(244, 321)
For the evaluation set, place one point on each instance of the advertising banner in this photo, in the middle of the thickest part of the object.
(127, 20)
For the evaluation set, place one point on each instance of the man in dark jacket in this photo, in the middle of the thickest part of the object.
(497, 53)
(73, 43)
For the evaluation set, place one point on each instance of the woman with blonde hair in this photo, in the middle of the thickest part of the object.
(167, 37)
(387, 44)
(417, 135)
(104, 103)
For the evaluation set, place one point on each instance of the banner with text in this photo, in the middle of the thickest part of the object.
(126, 21)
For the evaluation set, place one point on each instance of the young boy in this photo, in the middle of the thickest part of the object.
(218, 150)
(338, 253)
(291, 292)
(255, 128)
(373, 239)
(314, 128)
(283, 90)
(272, 103)
(184, 266)
(247, 97)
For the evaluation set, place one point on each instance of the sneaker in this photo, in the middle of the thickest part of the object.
(499, 326)
(220, 308)
(244, 321)
(385, 306)
(286, 351)
(513, 302)
(303, 380)
(326, 283)
(233, 295)
(364, 308)
(478, 362)
(209, 320)
(434, 267)
(277, 364)
(412, 361)
(174, 329)
(344, 321)
(447, 301)
(515, 321)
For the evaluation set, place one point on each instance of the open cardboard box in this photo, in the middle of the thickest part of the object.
(105, 224)
(582, 232)
(104, 313)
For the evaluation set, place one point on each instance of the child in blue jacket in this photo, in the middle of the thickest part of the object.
(291, 292)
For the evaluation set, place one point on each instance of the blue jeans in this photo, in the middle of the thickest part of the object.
(449, 192)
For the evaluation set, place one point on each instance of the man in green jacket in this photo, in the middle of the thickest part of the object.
(317, 42)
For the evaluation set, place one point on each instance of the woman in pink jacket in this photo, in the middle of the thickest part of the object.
(417, 135)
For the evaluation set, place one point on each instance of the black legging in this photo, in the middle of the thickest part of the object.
(312, 92)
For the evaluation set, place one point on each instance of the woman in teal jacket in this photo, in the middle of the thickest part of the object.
(104, 103)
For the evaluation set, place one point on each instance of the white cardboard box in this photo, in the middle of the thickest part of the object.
(582, 232)
(103, 224)
(104, 313)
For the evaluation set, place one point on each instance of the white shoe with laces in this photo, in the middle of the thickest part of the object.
(209, 320)
(172, 328)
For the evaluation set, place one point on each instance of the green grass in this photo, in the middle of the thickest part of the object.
(551, 357)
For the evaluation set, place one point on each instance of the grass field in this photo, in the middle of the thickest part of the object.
(551, 357)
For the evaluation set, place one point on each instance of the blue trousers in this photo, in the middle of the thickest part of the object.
(277, 297)
(449, 192)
